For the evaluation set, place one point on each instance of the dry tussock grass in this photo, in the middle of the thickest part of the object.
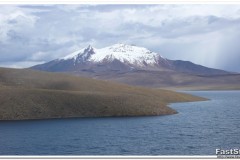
(28, 94)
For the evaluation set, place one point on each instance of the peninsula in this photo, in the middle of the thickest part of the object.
(29, 94)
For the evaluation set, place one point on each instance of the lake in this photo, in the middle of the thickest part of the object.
(198, 129)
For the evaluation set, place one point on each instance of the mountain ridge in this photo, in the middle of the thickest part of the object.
(122, 52)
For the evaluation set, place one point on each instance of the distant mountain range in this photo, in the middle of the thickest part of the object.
(138, 66)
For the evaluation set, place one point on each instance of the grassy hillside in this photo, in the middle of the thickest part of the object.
(28, 94)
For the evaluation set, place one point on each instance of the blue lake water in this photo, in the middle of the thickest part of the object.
(198, 129)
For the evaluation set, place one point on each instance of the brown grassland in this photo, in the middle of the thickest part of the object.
(29, 94)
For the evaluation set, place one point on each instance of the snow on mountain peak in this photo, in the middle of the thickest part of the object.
(89, 48)
(125, 53)
(78, 53)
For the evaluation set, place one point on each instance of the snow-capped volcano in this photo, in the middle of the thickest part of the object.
(127, 54)
(120, 58)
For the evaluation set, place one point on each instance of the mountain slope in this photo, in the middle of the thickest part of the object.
(195, 69)
(29, 94)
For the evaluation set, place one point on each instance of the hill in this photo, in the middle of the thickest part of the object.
(169, 79)
(29, 94)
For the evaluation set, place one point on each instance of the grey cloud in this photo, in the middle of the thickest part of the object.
(175, 28)
(111, 7)
(42, 7)
(57, 30)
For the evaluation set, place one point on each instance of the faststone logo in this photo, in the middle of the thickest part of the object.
(228, 153)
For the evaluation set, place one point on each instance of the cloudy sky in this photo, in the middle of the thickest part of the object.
(204, 34)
